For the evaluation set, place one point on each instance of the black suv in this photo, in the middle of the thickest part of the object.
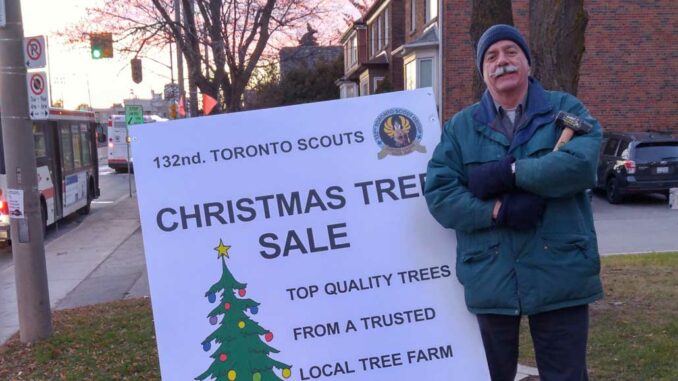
(637, 162)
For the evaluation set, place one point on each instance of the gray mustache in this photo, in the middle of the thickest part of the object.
(501, 70)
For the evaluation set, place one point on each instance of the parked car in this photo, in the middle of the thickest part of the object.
(637, 162)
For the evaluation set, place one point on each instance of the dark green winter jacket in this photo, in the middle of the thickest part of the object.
(506, 271)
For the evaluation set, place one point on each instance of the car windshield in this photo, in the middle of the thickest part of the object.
(657, 151)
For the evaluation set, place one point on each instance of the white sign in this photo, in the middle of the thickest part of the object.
(15, 203)
(35, 51)
(295, 243)
(3, 14)
(38, 95)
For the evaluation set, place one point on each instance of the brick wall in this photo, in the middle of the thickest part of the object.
(458, 63)
(627, 78)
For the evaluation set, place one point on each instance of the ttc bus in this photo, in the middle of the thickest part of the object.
(118, 146)
(67, 163)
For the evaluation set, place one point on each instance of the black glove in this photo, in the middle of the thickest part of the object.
(492, 179)
(520, 210)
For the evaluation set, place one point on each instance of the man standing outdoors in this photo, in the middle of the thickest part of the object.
(526, 243)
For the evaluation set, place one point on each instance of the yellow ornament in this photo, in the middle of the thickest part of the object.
(241, 324)
(232, 375)
(286, 373)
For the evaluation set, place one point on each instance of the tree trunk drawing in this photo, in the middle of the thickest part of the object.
(557, 30)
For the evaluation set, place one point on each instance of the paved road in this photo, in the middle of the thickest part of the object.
(642, 224)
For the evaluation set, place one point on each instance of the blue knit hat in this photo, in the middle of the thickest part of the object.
(496, 33)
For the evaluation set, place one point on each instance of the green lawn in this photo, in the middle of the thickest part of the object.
(634, 333)
(634, 330)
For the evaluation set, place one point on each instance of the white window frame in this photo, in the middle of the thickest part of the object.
(379, 33)
(431, 9)
(413, 15)
(373, 42)
(386, 31)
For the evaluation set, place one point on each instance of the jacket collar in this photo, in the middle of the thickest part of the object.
(537, 105)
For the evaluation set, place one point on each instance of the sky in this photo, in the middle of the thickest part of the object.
(74, 76)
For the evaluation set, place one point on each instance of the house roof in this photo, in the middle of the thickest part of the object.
(377, 61)
(428, 38)
(374, 8)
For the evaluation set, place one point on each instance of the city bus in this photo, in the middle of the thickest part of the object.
(118, 146)
(68, 170)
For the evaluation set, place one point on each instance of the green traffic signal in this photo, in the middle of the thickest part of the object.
(101, 45)
(96, 53)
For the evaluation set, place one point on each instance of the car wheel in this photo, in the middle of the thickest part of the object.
(612, 188)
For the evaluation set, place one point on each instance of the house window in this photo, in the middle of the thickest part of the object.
(379, 34)
(377, 82)
(419, 73)
(411, 75)
(431, 9)
(413, 14)
(426, 72)
(364, 87)
(373, 42)
(386, 27)
(354, 49)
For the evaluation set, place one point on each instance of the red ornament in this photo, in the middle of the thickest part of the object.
(227, 306)
(242, 292)
(223, 357)
(268, 337)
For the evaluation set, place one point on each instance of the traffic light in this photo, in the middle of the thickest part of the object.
(101, 45)
(135, 64)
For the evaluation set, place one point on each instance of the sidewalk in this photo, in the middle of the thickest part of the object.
(91, 264)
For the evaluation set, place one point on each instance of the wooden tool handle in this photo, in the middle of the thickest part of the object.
(565, 137)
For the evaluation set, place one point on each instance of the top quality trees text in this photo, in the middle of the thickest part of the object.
(248, 209)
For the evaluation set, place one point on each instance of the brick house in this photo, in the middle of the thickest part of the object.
(627, 75)
(369, 58)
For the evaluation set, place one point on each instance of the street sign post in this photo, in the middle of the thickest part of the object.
(35, 52)
(38, 95)
(134, 114)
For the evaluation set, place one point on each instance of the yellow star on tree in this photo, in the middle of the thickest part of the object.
(222, 249)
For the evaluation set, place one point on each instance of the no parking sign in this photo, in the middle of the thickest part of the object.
(38, 95)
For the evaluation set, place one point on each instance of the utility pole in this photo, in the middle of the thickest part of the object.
(28, 250)
(180, 52)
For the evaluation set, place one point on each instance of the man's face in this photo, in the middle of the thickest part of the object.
(505, 68)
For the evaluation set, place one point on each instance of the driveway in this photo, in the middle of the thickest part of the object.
(639, 225)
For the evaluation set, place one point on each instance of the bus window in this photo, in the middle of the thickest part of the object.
(84, 143)
(77, 152)
(39, 144)
(66, 147)
(101, 135)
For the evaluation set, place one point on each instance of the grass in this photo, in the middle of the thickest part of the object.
(113, 341)
(634, 330)
(634, 333)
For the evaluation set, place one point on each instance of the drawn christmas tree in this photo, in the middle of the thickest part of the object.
(240, 353)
